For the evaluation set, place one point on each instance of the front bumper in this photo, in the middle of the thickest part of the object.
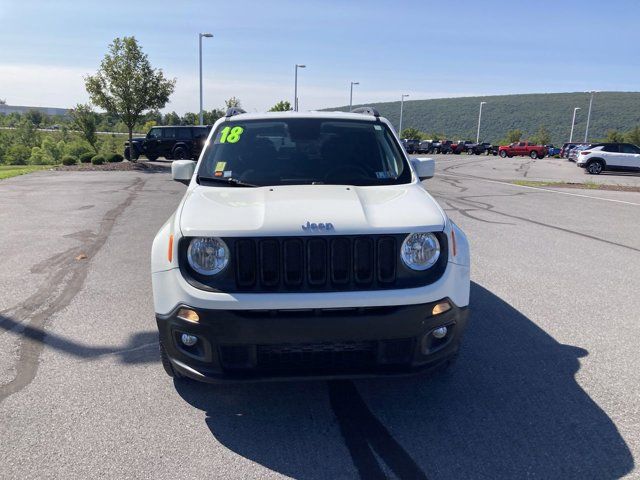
(319, 343)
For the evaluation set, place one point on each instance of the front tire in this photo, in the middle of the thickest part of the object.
(533, 155)
(503, 154)
(595, 167)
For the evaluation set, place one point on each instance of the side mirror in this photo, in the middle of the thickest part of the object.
(182, 170)
(425, 167)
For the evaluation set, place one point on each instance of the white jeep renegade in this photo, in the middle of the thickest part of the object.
(306, 245)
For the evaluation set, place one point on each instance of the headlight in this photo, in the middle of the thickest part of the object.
(420, 251)
(208, 255)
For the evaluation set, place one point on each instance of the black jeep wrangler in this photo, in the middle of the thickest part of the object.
(172, 143)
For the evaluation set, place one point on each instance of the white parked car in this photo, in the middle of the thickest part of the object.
(609, 156)
(306, 244)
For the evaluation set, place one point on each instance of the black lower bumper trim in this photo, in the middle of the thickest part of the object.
(317, 343)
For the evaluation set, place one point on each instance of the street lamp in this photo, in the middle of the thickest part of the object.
(479, 120)
(573, 122)
(402, 97)
(295, 92)
(586, 131)
(351, 95)
(200, 35)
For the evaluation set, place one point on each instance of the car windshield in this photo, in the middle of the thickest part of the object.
(298, 151)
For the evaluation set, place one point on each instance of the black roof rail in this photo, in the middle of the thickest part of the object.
(366, 111)
(234, 111)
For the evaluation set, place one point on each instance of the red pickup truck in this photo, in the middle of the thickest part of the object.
(522, 149)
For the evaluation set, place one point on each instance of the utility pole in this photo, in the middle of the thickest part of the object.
(586, 132)
(573, 123)
(351, 95)
(200, 35)
(402, 97)
(479, 120)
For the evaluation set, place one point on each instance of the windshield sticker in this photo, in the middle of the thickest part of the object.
(231, 135)
(383, 175)
(220, 166)
(226, 173)
(377, 127)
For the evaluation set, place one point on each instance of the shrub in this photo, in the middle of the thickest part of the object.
(114, 158)
(76, 148)
(86, 157)
(97, 160)
(69, 160)
(18, 155)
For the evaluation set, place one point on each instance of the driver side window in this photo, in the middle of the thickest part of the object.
(154, 134)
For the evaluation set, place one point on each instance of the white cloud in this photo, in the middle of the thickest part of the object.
(51, 86)
(42, 86)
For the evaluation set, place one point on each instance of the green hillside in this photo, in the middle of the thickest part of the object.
(457, 117)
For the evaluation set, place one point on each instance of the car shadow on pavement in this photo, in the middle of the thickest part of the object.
(142, 347)
(509, 408)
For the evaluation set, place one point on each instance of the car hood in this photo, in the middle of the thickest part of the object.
(284, 210)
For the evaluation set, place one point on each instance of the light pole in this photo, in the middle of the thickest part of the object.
(295, 91)
(402, 97)
(351, 95)
(479, 120)
(586, 131)
(573, 123)
(200, 35)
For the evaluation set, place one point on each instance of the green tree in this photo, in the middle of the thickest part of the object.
(85, 120)
(281, 106)
(26, 134)
(614, 136)
(233, 102)
(633, 136)
(126, 85)
(513, 136)
(189, 118)
(411, 134)
(35, 117)
(148, 125)
(212, 116)
(542, 136)
(18, 154)
(171, 119)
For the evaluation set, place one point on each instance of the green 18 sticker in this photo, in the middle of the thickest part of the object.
(231, 135)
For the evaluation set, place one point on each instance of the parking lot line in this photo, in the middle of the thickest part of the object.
(542, 189)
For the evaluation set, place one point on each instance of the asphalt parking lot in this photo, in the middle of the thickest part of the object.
(547, 384)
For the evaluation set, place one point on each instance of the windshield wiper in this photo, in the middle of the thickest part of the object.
(228, 180)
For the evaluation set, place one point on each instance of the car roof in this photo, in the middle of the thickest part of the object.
(181, 126)
(310, 114)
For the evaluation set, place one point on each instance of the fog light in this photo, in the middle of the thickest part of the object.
(188, 315)
(441, 308)
(190, 340)
(438, 333)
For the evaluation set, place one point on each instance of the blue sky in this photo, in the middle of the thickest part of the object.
(427, 49)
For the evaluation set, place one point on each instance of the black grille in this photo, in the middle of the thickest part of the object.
(315, 264)
(320, 356)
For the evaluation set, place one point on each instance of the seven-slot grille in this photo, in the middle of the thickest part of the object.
(315, 263)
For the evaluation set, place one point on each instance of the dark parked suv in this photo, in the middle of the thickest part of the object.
(172, 143)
